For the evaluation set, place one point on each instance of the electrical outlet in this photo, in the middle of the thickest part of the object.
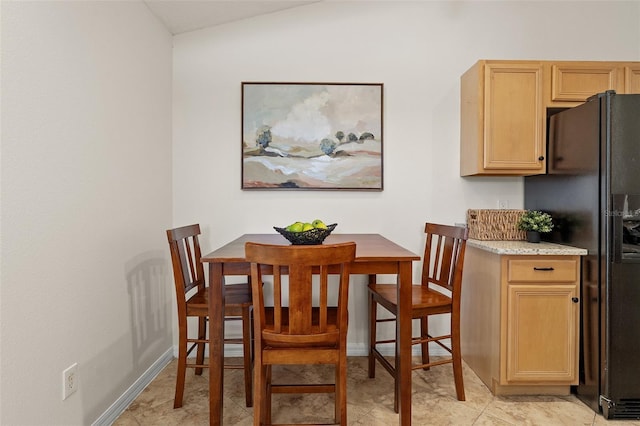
(69, 381)
(503, 204)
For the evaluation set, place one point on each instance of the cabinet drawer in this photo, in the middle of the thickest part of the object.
(542, 270)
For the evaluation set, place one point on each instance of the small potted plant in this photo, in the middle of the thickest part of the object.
(535, 222)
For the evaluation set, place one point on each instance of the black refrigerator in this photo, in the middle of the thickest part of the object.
(592, 190)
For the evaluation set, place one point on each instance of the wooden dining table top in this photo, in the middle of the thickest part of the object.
(369, 247)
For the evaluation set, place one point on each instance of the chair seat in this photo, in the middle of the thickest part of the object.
(423, 299)
(236, 296)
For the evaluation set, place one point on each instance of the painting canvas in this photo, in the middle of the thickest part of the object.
(312, 136)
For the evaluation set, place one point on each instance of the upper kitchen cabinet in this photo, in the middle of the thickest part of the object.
(632, 78)
(504, 107)
(502, 121)
(573, 82)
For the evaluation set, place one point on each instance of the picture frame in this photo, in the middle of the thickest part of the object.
(312, 136)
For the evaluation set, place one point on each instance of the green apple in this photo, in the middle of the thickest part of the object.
(307, 226)
(295, 227)
(319, 224)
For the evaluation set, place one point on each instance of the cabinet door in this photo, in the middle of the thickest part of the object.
(578, 81)
(513, 122)
(632, 79)
(541, 341)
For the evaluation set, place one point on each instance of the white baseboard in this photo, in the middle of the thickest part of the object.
(113, 412)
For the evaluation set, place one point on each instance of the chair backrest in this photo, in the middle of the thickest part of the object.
(444, 256)
(188, 271)
(300, 323)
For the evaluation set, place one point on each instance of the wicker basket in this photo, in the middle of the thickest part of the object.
(311, 237)
(495, 224)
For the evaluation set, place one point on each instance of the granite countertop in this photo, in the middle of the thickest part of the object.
(524, 248)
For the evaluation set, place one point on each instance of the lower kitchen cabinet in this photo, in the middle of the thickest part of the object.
(520, 316)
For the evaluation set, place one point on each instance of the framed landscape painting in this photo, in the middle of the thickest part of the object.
(312, 136)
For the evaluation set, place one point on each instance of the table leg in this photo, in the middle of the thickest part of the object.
(372, 328)
(403, 345)
(216, 343)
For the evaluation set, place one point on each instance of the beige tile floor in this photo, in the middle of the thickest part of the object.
(370, 401)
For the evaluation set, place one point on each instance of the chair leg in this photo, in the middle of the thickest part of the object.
(424, 333)
(259, 392)
(341, 391)
(253, 337)
(457, 362)
(267, 399)
(247, 355)
(396, 382)
(182, 365)
(373, 318)
(202, 334)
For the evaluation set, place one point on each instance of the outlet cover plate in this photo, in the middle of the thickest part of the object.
(69, 381)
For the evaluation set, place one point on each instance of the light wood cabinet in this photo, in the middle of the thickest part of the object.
(519, 321)
(503, 125)
(575, 82)
(632, 78)
(541, 334)
(504, 107)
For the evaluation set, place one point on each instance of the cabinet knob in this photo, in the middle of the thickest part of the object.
(541, 158)
(575, 299)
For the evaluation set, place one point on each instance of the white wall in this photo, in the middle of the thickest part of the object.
(418, 50)
(86, 197)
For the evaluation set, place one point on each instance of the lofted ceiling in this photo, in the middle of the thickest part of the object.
(180, 16)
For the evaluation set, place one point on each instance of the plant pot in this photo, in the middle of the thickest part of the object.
(533, 236)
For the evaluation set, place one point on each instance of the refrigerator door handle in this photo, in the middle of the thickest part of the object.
(615, 217)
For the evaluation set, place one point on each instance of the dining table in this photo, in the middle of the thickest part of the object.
(375, 254)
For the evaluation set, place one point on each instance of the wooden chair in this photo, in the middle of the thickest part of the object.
(299, 333)
(193, 301)
(442, 269)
